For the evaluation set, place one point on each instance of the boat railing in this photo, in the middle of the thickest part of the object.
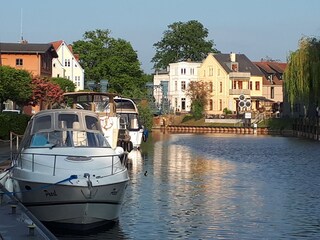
(118, 161)
(14, 143)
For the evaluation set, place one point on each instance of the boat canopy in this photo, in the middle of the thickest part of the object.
(64, 128)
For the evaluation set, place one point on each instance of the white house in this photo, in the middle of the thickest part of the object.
(67, 65)
(178, 76)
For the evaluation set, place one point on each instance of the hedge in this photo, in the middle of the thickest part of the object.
(10, 122)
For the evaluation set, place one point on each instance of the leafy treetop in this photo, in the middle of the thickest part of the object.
(183, 41)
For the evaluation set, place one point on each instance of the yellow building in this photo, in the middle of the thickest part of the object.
(235, 83)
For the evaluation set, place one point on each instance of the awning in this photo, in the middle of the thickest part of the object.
(261, 98)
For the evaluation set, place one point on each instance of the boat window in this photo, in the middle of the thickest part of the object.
(124, 104)
(92, 123)
(134, 124)
(67, 120)
(42, 123)
(39, 140)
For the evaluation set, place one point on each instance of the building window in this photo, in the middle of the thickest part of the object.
(67, 62)
(250, 85)
(183, 85)
(176, 86)
(19, 62)
(218, 71)
(240, 84)
(77, 81)
(220, 104)
(211, 104)
(183, 104)
(234, 67)
(257, 85)
(54, 65)
(191, 71)
(221, 87)
(234, 85)
(183, 71)
(211, 87)
(272, 92)
(210, 71)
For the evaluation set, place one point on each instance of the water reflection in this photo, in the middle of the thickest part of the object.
(210, 186)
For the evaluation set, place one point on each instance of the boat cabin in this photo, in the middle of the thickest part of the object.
(64, 128)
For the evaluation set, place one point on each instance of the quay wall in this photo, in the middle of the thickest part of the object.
(207, 129)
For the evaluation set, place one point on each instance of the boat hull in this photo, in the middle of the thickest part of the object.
(76, 206)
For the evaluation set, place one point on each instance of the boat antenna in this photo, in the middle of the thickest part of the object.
(21, 24)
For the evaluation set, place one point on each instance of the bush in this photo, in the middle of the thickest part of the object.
(146, 116)
(16, 123)
(187, 118)
(227, 111)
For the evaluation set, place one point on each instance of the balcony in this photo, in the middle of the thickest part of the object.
(239, 75)
(239, 91)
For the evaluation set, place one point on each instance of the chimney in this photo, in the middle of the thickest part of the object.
(232, 57)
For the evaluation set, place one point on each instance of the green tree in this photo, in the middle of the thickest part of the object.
(104, 57)
(183, 41)
(302, 75)
(198, 91)
(65, 84)
(15, 85)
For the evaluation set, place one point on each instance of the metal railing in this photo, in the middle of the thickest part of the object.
(22, 159)
(14, 141)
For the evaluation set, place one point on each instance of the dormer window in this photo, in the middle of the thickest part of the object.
(234, 67)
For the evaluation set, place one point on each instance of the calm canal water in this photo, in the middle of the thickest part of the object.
(210, 186)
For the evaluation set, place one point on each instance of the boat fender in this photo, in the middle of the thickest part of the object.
(123, 145)
(129, 146)
(145, 135)
(9, 184)
(119, 150)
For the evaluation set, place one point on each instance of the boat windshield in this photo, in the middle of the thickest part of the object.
(129, 121)
(65, 129)
(68, 138)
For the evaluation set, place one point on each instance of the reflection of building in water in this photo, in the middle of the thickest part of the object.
(193, 182)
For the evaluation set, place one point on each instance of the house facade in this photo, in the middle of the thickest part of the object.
(175, 82)
(235, 83)
(273, 83)
(35, 58)
(66, 65)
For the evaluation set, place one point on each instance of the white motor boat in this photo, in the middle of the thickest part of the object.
(129, 121)
(66, 172)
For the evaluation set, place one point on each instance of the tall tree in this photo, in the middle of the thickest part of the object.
(302, 75)
(104, 57)
(15, 85)
(65, 84)
(183, 41)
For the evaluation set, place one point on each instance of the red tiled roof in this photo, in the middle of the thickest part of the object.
(275, 69)
(57, 44)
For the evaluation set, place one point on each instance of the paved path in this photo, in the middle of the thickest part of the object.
(16, 221)
(4, 150)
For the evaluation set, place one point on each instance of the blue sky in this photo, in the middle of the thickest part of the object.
(256, 28)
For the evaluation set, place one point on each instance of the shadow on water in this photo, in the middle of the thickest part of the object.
(110, 230)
